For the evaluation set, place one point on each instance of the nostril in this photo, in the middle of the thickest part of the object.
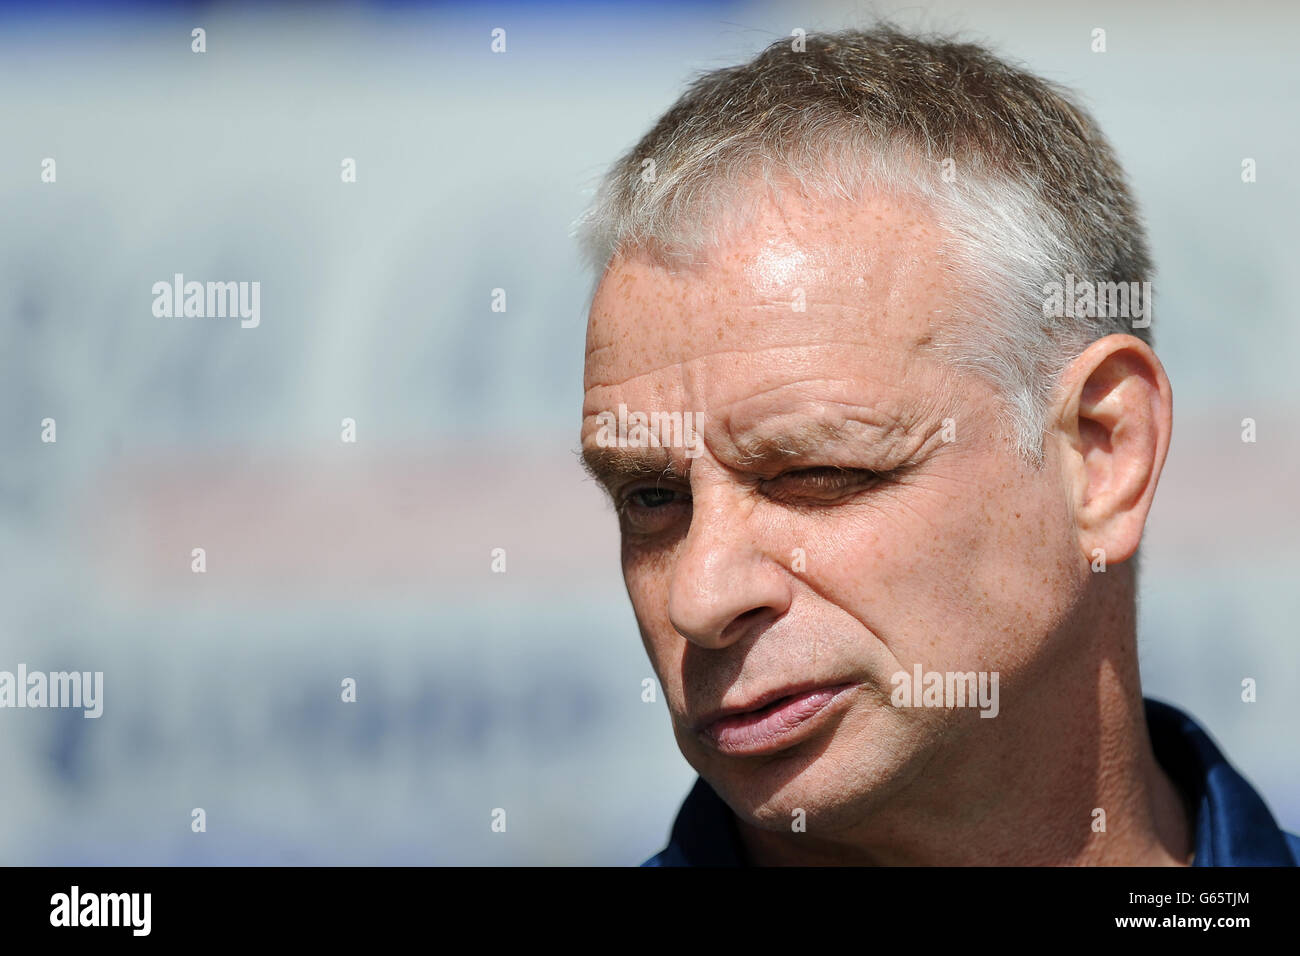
(743, 621)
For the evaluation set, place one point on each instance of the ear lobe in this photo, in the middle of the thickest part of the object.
(1117, 417)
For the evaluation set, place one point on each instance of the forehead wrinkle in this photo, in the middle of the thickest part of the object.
(691, 367)
(806, 384)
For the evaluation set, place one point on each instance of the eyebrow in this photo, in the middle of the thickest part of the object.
(608, 465)
(798, 442)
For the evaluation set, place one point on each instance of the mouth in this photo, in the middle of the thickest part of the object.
(773, 722)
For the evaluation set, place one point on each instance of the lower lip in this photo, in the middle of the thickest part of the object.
(772, 728)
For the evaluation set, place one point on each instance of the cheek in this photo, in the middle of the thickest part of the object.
(963, 572)
(646, 579)
(665, 651)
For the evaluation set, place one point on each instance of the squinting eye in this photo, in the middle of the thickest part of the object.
(821, 484)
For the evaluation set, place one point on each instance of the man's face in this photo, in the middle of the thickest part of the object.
(832, 528)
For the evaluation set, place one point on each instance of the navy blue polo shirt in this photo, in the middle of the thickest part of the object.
(1233, 825)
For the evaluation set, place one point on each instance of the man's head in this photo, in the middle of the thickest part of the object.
(837, 256)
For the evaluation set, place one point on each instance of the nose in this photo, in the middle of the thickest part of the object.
(723, 583)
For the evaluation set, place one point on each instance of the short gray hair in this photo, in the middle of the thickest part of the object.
(1032, 190)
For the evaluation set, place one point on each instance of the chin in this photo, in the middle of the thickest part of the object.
(834, 783)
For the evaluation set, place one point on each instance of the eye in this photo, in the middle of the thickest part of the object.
(821, 485)
(653, 509)
(652, 497)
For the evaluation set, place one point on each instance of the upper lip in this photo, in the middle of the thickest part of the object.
(757, 703)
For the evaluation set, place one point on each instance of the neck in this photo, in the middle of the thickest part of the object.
(1087, 791)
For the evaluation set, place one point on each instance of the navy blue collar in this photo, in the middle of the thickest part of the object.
(1233, 825)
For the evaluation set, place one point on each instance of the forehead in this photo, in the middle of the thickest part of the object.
(799, 274)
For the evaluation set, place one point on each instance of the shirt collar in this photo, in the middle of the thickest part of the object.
(1233, 825)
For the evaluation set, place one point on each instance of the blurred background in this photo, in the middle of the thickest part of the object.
(372, 560)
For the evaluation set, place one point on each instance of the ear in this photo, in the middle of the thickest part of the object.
(1114, 419)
